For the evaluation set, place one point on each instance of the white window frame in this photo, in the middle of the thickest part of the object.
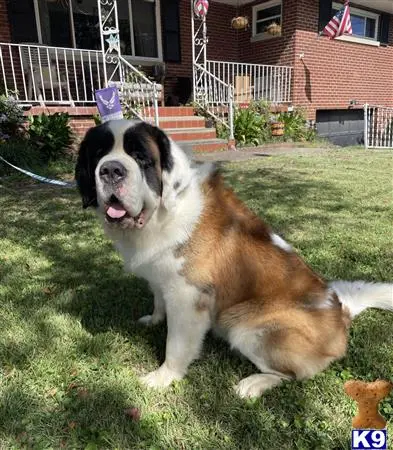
(137, 59)
(365, 14)
(260, 7)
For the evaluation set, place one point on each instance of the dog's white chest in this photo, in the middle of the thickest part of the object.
(162, 270)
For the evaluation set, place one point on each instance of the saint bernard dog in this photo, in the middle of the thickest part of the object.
(211, 263)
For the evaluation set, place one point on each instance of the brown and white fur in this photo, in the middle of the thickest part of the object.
(212, 263)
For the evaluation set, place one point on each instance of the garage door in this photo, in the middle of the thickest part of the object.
(341, 127)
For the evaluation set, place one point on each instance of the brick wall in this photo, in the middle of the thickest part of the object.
(80, 117)
(5, 31)
(333, 72)
(276, 50)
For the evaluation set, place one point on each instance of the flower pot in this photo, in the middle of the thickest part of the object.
(277, 128)
(274, 29)
(239, 23)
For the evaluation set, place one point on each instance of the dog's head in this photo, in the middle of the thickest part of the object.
(128, 169)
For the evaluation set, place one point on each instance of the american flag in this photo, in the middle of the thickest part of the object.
(340, 24)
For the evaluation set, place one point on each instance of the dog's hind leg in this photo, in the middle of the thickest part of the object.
(284, 346)
(251, 344)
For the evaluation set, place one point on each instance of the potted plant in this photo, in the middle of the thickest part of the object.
(274, 29)
(240, 23)
(277, 126)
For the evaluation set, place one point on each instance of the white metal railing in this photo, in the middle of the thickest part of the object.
(254, 81)
(38, 74)
(378, 126)
(138, 94)
(214, 96)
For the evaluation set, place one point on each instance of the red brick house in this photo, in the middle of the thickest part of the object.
(56, 58)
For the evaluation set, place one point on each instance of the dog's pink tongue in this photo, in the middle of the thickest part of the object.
(116, 211)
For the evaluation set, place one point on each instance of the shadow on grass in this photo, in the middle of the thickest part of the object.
(86, 281)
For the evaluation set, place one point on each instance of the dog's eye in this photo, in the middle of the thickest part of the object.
(145, 163)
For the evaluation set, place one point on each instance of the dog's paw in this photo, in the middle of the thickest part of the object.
(150, 320)
(255, 385)
(160, 378)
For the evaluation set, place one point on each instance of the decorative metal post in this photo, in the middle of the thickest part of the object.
(110, 40)
(199, 48)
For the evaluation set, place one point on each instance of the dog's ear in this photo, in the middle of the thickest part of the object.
(84, 175)
(171, 177)
(164, 146)
(175, 168)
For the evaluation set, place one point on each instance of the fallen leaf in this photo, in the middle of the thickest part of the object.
(133, 413)
(83, 393)
(72, 386)
(52, 392)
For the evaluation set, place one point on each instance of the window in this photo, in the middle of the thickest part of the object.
(23, 29)
(171, 31)
(75, 24)
(264, 15)
(364, 23)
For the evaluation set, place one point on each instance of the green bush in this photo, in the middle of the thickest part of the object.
(296, 126)
(52, 134)
(250, 126)
(11, 118)
(20, 152)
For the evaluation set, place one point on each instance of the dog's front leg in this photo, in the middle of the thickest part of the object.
(159, 308)
(187, 326)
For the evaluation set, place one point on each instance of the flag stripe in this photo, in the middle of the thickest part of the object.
(339, 24)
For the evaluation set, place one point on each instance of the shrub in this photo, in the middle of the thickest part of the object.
(52, 134)
(296, 126)
(20, 152)
(250, 126)
(11, 118)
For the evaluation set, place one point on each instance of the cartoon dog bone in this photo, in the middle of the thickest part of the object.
(368, 396)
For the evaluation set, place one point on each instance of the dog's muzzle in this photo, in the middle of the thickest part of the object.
(112, 172)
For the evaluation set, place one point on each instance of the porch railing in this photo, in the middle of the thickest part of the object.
(38, 74)
(139, 95)
(254, 81)
(214, 96)
(378, 126)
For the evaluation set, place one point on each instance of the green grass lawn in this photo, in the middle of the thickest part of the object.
(71, 350)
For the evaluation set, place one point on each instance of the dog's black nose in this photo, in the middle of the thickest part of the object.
(112, 172)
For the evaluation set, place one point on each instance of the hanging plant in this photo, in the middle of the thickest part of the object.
(240, 23)
(274, 29)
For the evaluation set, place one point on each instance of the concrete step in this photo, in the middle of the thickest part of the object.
(191, 134)
(172, 111)
(203, 145)
(181, 122)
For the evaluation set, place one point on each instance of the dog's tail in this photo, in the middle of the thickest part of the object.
(360, 295)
